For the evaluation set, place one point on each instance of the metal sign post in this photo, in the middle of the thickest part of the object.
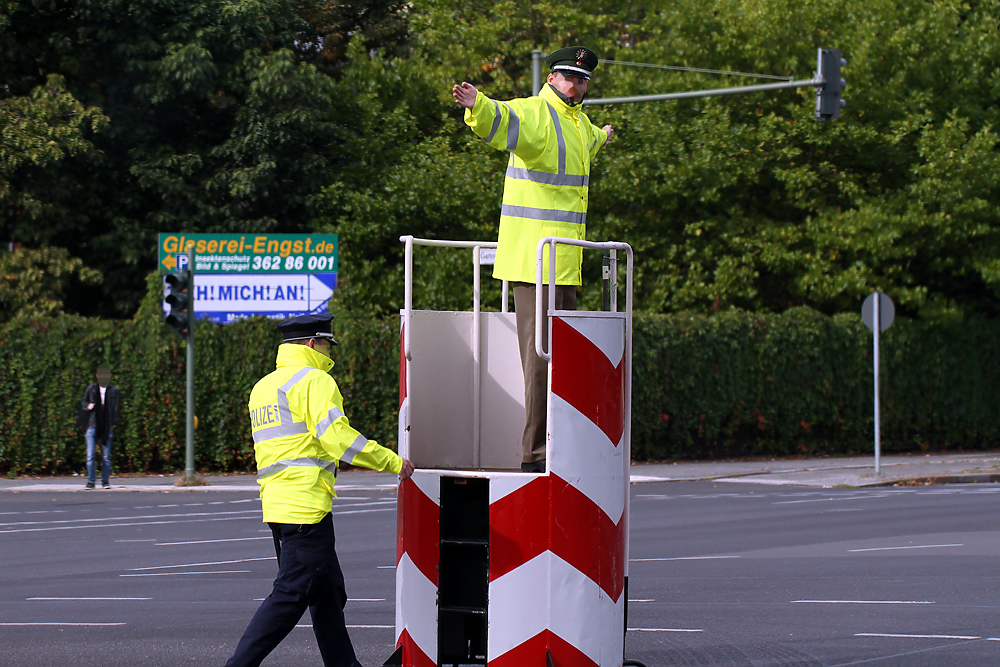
(189, 437)
(877, 312)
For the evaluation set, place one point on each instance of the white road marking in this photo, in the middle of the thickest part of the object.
(649, 560)
(89, 598)
(120, 525)
(85, 624)
(919, 546)
(664, 630)
(881, 634)
(381, 509)
(233, 539)
(214, 562)
(168, 505)
(309, 625)
(126, 518)
(825, 500)
(177, 574)
(863, 602)
(386, 567)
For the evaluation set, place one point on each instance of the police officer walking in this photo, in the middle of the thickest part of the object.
(546, 192)
(300, 433)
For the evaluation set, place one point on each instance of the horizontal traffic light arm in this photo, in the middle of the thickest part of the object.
(712, 92)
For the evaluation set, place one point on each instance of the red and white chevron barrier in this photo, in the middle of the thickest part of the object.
(557, 541)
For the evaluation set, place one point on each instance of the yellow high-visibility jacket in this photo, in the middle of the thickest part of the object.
(546, 188)
(300, 433)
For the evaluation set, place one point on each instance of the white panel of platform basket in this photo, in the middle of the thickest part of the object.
(440, 393)
(502, 392)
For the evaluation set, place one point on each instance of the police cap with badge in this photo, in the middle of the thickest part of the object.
(307, 326)
(573, 61)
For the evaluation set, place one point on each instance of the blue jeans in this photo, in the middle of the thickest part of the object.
(92, 456)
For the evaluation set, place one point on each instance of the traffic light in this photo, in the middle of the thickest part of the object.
(181, 302)
(828, 102)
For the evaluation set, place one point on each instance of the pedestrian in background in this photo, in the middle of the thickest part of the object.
(101, 400)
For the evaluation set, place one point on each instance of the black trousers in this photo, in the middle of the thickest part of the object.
(309, 575)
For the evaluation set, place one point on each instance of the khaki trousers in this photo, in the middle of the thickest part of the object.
(535, 368)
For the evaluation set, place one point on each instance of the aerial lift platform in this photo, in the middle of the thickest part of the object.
(495, 566)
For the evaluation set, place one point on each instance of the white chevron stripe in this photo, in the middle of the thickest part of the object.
(503, 485)
(581, 454)
(576, 609)
(416, 607)
(429, 482)
(606, 333)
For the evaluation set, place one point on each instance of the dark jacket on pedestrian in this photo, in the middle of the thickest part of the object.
(105, 414)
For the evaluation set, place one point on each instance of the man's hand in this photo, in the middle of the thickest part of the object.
(611, 132)
(407, 470)
(90, 406)
(465, 94)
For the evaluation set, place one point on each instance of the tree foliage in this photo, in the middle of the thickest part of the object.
(296, 115)
(33, 283)
(744, 202)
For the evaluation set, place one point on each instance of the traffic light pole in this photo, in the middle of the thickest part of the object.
(827, 83)
(189, 478)
(189, 458)
(714, 92)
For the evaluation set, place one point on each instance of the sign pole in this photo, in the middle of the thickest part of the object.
(878, 327)
(189, 458)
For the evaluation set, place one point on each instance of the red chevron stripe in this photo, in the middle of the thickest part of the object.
(519, 527)
(402, 366)
(579, 532)
(532, 652)
(587, 538)
(412, 655)
(417, 529)
(584, 378)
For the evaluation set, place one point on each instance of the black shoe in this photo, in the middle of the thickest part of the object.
(105, 485)
(90, 485)
(537, 466)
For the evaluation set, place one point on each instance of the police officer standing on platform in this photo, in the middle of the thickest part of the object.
(300, 433)
(546, 191)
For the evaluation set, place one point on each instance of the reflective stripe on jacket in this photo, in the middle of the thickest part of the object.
(300, 433)
(547, 182)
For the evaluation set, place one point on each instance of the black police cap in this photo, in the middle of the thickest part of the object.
(573, 60)
(307, 326)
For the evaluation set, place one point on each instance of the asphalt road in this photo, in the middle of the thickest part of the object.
(721, 574)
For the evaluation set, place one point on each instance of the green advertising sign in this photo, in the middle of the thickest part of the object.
(251, 253)
(239, 275)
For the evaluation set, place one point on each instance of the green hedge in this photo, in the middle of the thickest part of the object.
(730, 384)
(801, 383)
